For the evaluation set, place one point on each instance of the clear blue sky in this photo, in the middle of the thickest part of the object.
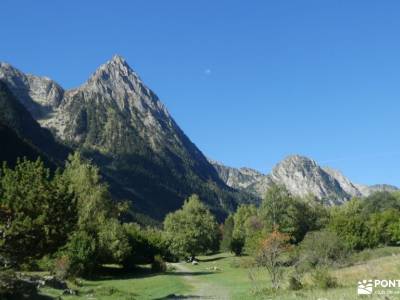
(248, 81)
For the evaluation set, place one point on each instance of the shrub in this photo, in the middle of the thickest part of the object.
(271, 255)
(322, 248)
(145, 243)
(46, 263)
(323, 280)
(158, 265)
(62, 267)
(82, 254)
(294, 284)
(237, 245)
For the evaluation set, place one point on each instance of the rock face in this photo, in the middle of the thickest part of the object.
(119, 123)
(368, 190)
(38, 94)
(301, 176)
(241, 178)
(18, 124)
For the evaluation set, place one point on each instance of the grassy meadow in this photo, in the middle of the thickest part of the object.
(224, 276)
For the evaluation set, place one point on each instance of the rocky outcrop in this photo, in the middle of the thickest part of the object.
(237, 178)
(40, 95)
(301, 176)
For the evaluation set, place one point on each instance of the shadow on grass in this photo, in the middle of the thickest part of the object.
(39, 297)
(176, 297)
(114, 273)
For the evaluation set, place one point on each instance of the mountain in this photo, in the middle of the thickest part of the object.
(19, 128)
(37, 94)
(237, 178)
(119, 123)
(13, 147)
(301, 176)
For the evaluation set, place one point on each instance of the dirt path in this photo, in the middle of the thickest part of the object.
(201, 289)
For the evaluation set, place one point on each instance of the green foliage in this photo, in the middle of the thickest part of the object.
(292, 215)
(93, 199)
(113, 242)
(158, 265)
(191, 230)
(255, 233)
(145, 244)
(242, 214)
(227, 233)
(36, 212)
(322, 248)
(384, 227)
(103, 239)
(369, 222)
(349, 224)
(82, 254)
(323, 280)
(237, 246)
(379, 202)
(294, 284)
(242, 232)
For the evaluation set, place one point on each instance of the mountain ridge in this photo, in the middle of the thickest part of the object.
(301, 176)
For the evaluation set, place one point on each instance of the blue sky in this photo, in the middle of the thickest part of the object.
(248, 81)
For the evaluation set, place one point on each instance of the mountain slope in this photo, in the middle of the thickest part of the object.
(37, 94)
(301, 176)
(13, 147)
(237, 178)
(14, 117)
(121, 124)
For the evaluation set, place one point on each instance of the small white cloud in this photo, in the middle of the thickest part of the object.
(207, 71)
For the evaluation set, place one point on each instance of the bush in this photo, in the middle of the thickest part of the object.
(81, 253)
(322, 248)
(62, 267)
(158, 265)
(295, 284)
(237, 245)
(145, 244)
(323, 280)
(46, 263)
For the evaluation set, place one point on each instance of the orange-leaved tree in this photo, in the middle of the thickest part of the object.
(271, 255)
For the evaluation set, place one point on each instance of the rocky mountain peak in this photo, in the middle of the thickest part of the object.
(39, 94)
(115, 71)
(301, 176)
(296, 162)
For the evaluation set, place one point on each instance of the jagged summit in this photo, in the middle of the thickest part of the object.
(115, 73)
(301, 176)
(113, 85)
(38, 94)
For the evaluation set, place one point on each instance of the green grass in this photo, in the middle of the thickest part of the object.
(239, 279)
(143, 285)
